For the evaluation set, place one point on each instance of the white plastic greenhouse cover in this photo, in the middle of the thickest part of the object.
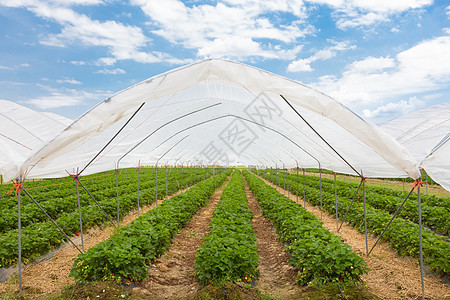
(223, 113)
(426, 134)
(23, 131)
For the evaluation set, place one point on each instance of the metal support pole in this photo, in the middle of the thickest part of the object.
(1, 186)
(20, 239)
(365, 213)
(392, 219)
(271, 174)
(54, 223)
(79, 214)
(117, 193)
(304, 193)
(156, 197)
(33, 186)
(403, 184)
(60, 183)
(192, 171)
(181, 176)
(176, 182)
(420, 242)
(351, 203)
(284, 181)
(297, 182)
(320, 171)
(92, 197)
(166, 182)
(336, 201)
(138, 205)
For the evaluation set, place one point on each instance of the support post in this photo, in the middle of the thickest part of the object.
(365, 213)
(20, 238)
(336, 201)
(138, 205)
(117, 193)
(420, 241)
(156, 197)
(320, 179)
(166, 181)
(181, 176)
(79, 213)
(304, 193)
(297, 182)
(284, 181)
(1, 186)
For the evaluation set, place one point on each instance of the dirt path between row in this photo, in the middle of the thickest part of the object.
(277, 276)
(391, 276)
(172, 276)
(52, 276)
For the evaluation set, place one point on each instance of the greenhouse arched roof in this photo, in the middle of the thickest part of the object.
(223, 113)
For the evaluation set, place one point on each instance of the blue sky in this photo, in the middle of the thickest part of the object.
(382, 58)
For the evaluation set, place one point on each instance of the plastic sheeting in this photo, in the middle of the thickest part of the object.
(22, 132)
(223, 113)
(426, 134)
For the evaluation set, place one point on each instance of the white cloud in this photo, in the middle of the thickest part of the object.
(392, 109)
(68, 80)
(304, 65)
(424, 67)
(6, 68)
(232, 28)
(65, 98)
(78, 62)
(124, 42)
(364, 13)
(111, 72)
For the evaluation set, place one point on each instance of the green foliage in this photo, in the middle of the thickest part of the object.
(228, 254)
(402, 235)
(125, 256)
(316, 253)
(40, 236)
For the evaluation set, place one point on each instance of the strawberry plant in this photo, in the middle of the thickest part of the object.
(318, 255)
(228, 254)
(402, 235)
(128, 253)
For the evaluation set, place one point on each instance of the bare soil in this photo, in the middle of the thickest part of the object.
(277, 276)
(172, 276)
(391, 276)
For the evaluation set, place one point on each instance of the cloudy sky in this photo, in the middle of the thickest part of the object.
(382, 58)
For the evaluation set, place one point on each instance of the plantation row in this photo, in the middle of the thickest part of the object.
(435, 210)
(402, 235)
(318, 255)
(126, 255)
(57, 202)
(228, 254)
(40, 236)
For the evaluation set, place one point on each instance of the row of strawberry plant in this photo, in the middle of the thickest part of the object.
(58, 202)
(318, 255)
(402, 235)
(435, 217)
(228, 253)
(430, 200)
(40, 237)
(126, 255)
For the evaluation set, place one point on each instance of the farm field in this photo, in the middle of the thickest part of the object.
(275, 249)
